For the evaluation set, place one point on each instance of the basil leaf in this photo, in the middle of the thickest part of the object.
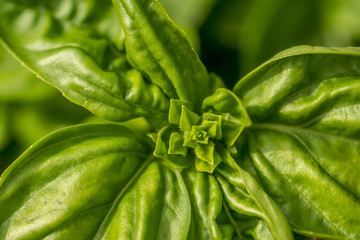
(93, 181)
(209, 220)
(232, 112)
(75, 55)
(160, 50)
(65, 184)
(262, 231)
(245, 196)
(304, 142)
(99, 181)
(156, 206)
(292, 72)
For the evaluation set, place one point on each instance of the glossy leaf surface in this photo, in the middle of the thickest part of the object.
(99, 182)
(75, 54)
(245, 196)
(157, 47)
(69, 189)
(234, 117)
(90, 180)
(304, 142)
(209, 218)
(155, 207)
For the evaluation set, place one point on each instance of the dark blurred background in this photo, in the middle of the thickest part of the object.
(239, 35)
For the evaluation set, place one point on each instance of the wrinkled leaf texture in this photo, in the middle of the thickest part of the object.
(85, 174)
(70, 46)
(304, 142)
(102, 182)
(161, 51)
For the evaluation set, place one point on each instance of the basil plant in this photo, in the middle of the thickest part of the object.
(277, 157)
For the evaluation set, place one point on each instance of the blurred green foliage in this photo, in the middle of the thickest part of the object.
(231, 36)
(239, 35)
(29, 109)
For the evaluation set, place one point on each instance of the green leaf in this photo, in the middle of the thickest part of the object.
(156, 206)
(199, 135)
(58, 185)
(214, 118)
(205, 152)
(92, 181)
(210, 127)
(175, 110)
(166, 150)
(290, 74)
(312, 177)
(162, 141)
(188, 119)
(189, 141)
(208, 221)
(176, 144)
(152, 136)
(234, 117)
(304, 142)
(159, 49)
(262, 231)
(202, 165)
(245, 196)
(80, 61)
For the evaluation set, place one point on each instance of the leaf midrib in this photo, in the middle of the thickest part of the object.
(137, 174)
(291, 130)
(301, 131)
(307, 201)
(170, 87)
(44, 149)
(65, 172)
